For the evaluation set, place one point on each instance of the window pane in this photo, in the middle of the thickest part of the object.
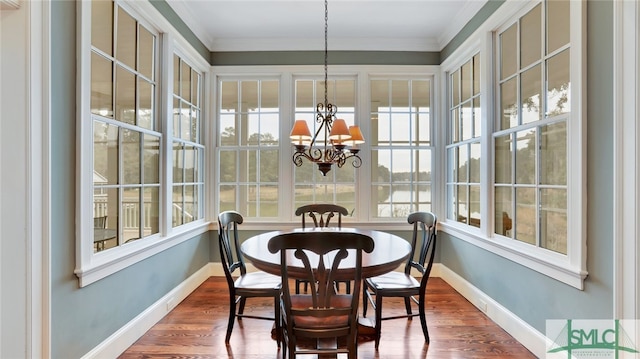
(249, 96)
(526, 215)
(269, 201)
(503, 159)
(189, 163)
(474, 206)
(177, 206)
(190, 200)
(145, 110)
(553, 154)
(466, 121)
(509, 104)
(185, 81)
(176, 75)
(462, 203)
(558, 24)
(195, 87)
(227, 198)
(345, 96)
(102, 26)
(105, 218)
(466, 77)
(455, 125)
(195, 125)
(229, 94)
(504, 216)
(101, 86)
(131, 214)
(531, 84)
(146, 53)
(228, 166)
(105, 153)
(185, 121)
(151, 159)
(269, 96)
(420, 95)
(227, 125)
(131, 156)
(151, 211)
(553, 219)
(508, 52)
(476, 74)
(269, 166)
(531, 37)
(304, 96)
(125, 96)
(126, 40)
(455, 88)
(463, 162)
(477, 119)
(526, 157)
(178, 162)
(474, 162)
(558, 82)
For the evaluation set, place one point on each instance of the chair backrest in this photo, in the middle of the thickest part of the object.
(321, 213)
(424, 240)
(321, 253)
(100, 222)
(230, 255)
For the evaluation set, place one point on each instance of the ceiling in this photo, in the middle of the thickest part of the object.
(365, 25)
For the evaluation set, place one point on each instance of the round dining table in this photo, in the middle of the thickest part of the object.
(389, 252)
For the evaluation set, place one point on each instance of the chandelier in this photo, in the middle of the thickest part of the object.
(339, 143)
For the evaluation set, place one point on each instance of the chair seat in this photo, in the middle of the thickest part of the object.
(258, 280)
(334, 321)
(393, 280)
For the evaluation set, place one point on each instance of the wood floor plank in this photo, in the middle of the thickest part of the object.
(195, 329)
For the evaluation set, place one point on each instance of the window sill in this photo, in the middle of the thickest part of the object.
(551, 264)
(113, 260)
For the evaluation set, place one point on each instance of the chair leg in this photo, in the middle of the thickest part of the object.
(423, 319)
(407, 305)
(297, 286)
(276, 308)
(349, 287)
(378, 319)
(243, 301)
(365, 299)
(232, 317)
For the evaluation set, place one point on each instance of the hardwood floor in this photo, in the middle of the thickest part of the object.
(196, 329)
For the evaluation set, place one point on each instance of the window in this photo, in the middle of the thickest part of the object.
(463, 152)
(249, 147)
(126, 137)
(530, 182)
(188, 151)
(257, 176)
(516, 141)
(339, 184)
(401, 153)
(141, 184)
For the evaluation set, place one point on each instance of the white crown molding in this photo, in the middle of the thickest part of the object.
(9, 4)
(335, 44)
(184, 12)
(465, 14)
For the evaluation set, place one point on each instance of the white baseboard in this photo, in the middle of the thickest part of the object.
(528, 336)
(124, 337)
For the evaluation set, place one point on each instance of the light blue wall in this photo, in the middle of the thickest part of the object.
(81, 318)
(530, 295)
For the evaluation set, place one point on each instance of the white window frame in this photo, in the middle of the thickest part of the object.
(90, 266)
(363, 75)
(570, 268)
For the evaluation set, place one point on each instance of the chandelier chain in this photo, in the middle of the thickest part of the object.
(326, 52)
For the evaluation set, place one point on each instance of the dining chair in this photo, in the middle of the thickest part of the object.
(324, 321)
(321, 214)
(243, 284)
(404, 284)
